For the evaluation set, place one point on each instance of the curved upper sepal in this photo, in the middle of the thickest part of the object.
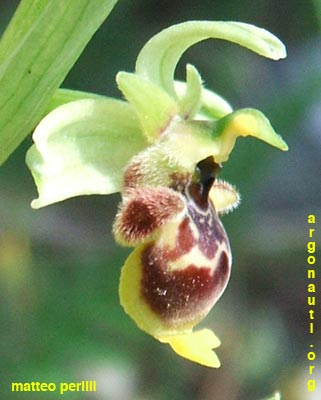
(244, 122)
(82, 148)
(154, 107)
(158, 58)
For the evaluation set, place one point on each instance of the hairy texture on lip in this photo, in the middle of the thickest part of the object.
(133, 175)
(179, 181)
(145, 210)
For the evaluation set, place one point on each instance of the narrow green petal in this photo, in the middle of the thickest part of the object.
(212, 105)
(154, 107)
(158, 58)
(245, 122)
(82, 148)
(190, 101)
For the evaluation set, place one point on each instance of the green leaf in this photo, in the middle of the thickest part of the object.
(41, 44)
(154, 107)
(158, 58)
(82, 148)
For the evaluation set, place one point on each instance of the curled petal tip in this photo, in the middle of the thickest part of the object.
(246, 122)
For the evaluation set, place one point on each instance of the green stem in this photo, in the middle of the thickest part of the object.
(38, 49)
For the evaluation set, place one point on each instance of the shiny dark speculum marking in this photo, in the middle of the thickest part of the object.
(186, 294)
(222, 271)
(211, 232)
(201, 210)
(177, 296)
(185, 238)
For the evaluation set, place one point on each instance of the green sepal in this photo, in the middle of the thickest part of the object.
(158, 58)
(63, 96)
(154, 107)
(82, 148)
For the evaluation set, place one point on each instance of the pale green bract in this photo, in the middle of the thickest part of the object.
(83, 147)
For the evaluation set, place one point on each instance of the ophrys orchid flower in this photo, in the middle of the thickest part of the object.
(162, 149)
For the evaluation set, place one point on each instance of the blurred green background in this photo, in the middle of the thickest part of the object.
(59, 266)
